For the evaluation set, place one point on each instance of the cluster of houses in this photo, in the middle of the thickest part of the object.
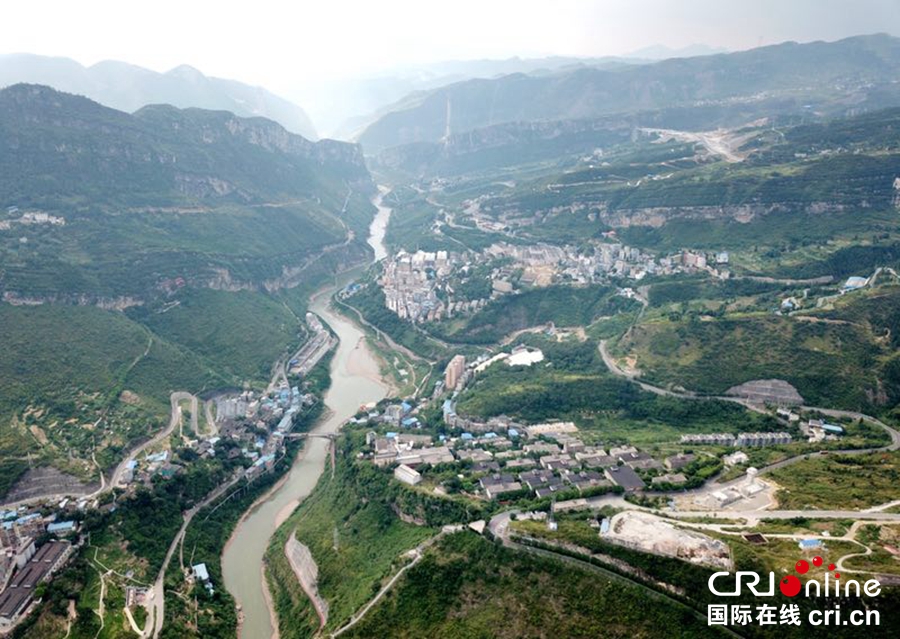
(519, 461)
(416, 285)
(250, 426)
(28, 218)
(411, 283)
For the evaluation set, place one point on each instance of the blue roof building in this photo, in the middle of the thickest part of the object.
(61, 527)
(810, 544)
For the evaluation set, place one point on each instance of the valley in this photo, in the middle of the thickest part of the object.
(534, 346)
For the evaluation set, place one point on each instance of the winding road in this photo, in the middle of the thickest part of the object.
(892, 432)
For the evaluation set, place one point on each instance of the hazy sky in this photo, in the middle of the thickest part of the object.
(278, 44)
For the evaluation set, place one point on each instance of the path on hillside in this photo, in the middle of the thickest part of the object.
(174, 421)
(156, 607)
(116, 477)
(388, 340)
(307, 572)
(418, 553)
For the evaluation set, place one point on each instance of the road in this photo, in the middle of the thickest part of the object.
(418, 553)
(210, 419)
(116, 478)
(156, 606)
(174, 420)
(499, 527)
(892, 432)
(384, 337)
(721, 142)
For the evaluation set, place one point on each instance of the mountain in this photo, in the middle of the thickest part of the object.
(347, 106)
(662, 52)
(164, 193)
(128, 88)
(855, 73)
(169, 249)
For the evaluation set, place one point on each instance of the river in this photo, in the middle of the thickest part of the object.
(355, 380)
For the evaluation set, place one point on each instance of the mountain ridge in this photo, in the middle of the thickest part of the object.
(789, 75)
(128, 87)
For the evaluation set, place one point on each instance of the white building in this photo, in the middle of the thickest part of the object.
(407, 475)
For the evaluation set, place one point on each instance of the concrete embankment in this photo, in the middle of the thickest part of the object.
(304, 566)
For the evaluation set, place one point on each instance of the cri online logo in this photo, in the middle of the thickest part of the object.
(790, 585)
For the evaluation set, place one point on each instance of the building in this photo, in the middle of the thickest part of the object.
(454, 372)
(62, 527)
(743, 439)
(762, 439)
(676, 479)
(20, 592)
(736, 458)
(393, 413)
(431, 455)
(810, 544)
(725, 497)
(679, 461)
(200, 572)
(712, 439)
(407, 475)
(625, 477)
(854, 283)
(525, 357)
(549, 428)
(28, 526)
(497, 485)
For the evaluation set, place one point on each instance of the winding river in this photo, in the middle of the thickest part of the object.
(355, 380)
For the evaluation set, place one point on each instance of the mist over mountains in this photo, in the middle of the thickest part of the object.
(127, 87)
(824, 77)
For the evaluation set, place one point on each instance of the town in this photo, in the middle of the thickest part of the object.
(428, 286)
(247, 431)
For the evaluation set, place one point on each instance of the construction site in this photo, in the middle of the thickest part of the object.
(648, 533)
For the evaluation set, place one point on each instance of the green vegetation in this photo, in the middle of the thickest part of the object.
(241, 334)
(354, 536)
(71, 368)
(832, 365)
(835, 482)
(574, 384)
(466, 586)
(232, 210)
(561, 305)
(369, 302)
(186, 248)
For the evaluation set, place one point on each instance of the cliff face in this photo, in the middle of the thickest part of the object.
(165, 195)
(159, 153)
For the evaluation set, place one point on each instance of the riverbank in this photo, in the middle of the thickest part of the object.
(355, 381)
